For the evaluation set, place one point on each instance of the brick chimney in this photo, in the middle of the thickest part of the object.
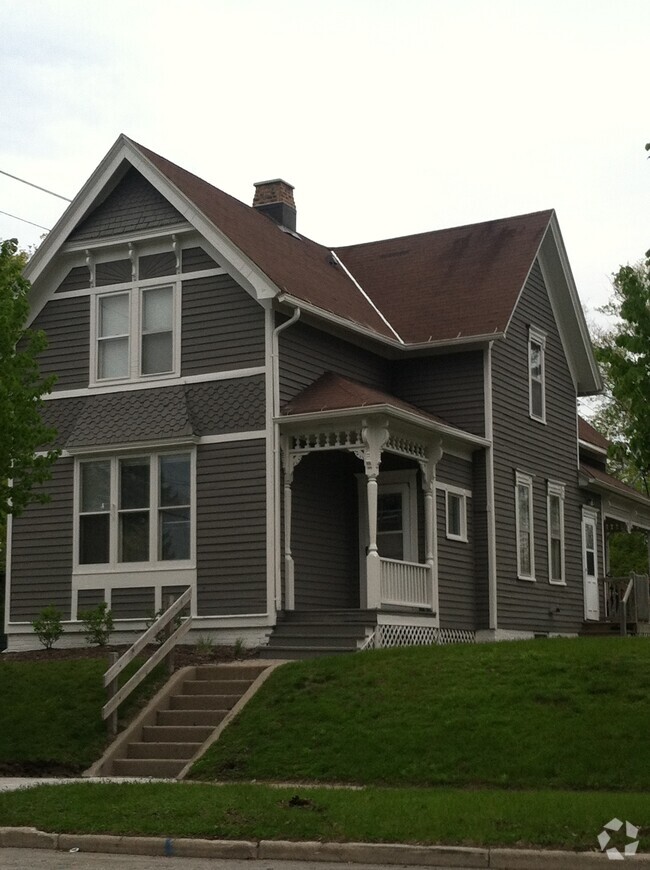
(274, 198)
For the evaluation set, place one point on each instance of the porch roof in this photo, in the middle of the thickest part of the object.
(619, 501)
(333, 396)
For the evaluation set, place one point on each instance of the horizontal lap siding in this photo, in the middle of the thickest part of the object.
(549, 452)
(66, 323)
(324, 532)
(41, 551)
(456, 581)
(89, 599)
(306, 354)
(231, 528)
(223, 327)
(135, 602)
(449, 386)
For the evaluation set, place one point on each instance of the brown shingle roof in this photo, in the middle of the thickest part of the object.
(442, 285)
(436, 286)
(608, 480)
(298, 266)
(331, 392)
(586, 432)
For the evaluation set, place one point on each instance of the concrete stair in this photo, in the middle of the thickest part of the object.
(313, 633)
(174, 729)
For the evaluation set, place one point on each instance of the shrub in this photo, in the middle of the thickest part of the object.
(48, 626)
(98, 624)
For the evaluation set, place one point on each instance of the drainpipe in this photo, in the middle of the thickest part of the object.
(275, 364)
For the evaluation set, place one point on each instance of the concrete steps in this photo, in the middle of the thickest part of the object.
(173, 730)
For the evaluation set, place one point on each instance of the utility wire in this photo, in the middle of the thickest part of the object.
(15, 217)
(37, 186)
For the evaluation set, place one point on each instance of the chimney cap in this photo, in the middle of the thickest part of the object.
(273, 181)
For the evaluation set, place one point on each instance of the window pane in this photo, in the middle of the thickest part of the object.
(454, 514)
(523, 507)
(589, 536)
(113, 361)
(556, 560)
(95, 486)
(134, 483)
(524, 553)
(390, 545)
(591, 564)
(175, 534)
(389, 512)
(93, 539)
(536, 399)
(535, 361)
(174, 480)
(555, 516)
(157, 353)
(113, 315)
(157, 310)
(134, 537)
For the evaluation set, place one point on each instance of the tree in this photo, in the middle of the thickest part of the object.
(23, 435)
(624, 354)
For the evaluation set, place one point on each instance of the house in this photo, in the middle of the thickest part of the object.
(316, 440)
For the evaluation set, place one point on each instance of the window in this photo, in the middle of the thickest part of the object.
(456, 511)
(524, 527)
(136, 334)
(536, 375)
(555, 509)
(135, 509)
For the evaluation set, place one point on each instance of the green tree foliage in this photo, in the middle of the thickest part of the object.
(624, 355)
(22, 432)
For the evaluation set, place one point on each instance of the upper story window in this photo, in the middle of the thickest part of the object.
(537, 374)
(136, 334)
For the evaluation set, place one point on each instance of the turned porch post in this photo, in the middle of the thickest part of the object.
(375, 436)
(428, 467)
(289, 461)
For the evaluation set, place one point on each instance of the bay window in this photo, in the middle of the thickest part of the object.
(135, 510)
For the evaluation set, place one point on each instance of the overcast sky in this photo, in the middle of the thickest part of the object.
(389, 117)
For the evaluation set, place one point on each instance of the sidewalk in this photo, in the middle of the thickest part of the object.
(12, 783)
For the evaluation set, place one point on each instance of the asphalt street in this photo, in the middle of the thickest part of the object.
(44, 859)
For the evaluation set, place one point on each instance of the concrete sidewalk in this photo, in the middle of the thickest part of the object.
(12, 783)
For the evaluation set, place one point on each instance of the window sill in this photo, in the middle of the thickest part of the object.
(527, 578)
(557, 582)
(462, 539)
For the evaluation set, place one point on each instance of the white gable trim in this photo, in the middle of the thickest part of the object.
(243, 270)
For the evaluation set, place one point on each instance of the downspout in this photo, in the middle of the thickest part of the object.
(277, 470)
(489, 473)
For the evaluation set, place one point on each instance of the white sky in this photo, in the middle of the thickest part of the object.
(388, 117)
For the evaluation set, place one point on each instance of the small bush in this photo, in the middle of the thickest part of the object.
(48, 626)
(204, 645)
(239, 648)
(98, 624)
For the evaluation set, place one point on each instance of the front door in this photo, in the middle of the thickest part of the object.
(590, 564)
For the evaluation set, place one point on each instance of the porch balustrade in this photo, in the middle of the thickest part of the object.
(406, 584)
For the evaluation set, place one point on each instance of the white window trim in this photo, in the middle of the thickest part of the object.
(525, 480)
(557, 490)
(135, 293)
(113, 566)
(538, 337)
(461, 494)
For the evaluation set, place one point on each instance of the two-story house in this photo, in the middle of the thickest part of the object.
(316, 440)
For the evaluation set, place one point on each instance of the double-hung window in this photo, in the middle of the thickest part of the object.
(136, 334)
(537, 374)
(135, 510)
(524, 527)
(555, 509)
(456, 513)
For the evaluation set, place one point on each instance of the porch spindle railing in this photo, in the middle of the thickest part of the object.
(626, 599)
(406, 584)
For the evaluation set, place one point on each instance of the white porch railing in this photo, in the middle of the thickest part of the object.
(405, 583)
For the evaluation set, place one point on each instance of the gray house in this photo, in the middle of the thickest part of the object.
(317, 440)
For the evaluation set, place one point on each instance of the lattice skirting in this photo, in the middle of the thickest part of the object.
(416, 635)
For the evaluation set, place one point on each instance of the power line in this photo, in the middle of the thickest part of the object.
(16, 218)
(37, 186)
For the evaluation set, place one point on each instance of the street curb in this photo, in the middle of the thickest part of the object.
(289, 850)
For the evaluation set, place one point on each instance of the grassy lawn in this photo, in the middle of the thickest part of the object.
(51, 714)
(547, 819)
(564, 713)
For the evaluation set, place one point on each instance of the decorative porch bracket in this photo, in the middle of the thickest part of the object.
(368, 441)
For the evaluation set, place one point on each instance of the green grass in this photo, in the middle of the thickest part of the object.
(547, 819)
(541, 714)
(51, 714)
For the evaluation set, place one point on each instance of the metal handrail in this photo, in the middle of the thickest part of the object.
(117, 696)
